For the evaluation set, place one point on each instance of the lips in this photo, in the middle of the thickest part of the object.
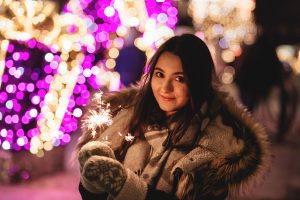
(167, 98)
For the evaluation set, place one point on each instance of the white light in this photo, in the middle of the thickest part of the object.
(134, 21)
(87, 72)
(20, 141)
(49, 57)
(3, 132)
(33, 113)
(77, 112)
(109, 11)
(6, 145)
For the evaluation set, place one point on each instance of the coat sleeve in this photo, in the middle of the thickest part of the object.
(86, 195)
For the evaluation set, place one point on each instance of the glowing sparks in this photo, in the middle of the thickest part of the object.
(129, 137)
(98, 118)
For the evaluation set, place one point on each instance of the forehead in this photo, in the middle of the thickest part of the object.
(169, 62)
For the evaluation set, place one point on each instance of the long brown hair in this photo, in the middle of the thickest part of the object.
(198, 68)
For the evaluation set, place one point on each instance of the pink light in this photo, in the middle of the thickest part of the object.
(172, 21)
(71, 103)
(16, 56)
(66, 138)
(20, 95)
(25, 120)
(102, 36)
(8, 119)
(21, 86)
(172, 11)
(49, 79)
(81, 79)
(47, 69)
(54, 64)
(9, 63)
(85, 94)
(30, 87)
(31, 43)
(25, 55)
(77, 89)
(15, 119)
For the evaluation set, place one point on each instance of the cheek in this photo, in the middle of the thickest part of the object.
(154, 85)
(183, 93)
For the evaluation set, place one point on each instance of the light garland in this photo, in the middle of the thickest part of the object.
(67, 46)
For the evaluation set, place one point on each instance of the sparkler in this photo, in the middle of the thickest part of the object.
(100, 117)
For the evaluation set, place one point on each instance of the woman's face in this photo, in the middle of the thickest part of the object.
(168, 84)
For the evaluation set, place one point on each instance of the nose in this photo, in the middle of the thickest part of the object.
(167, 86)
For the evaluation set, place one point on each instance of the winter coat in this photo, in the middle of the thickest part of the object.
(220, 153)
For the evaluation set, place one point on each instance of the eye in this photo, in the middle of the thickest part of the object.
(159, 74)
(180, 79)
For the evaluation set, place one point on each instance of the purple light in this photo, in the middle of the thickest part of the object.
(17, 107)
(4, 78)
(20, 95)
(20, 133)
(31, 44)
(10, 48)
(34, 76)
(3, 97)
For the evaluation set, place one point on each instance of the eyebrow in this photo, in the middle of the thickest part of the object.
(160, 69)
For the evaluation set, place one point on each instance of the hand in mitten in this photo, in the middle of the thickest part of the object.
(88, 150)
(114, 178)
(94, 148)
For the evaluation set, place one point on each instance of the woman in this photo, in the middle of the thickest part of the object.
(190, 141)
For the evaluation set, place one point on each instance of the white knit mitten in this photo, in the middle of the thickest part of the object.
(94, 148)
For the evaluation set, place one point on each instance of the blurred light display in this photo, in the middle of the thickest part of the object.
(50, 62)
(291, 55)
(225, 25)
